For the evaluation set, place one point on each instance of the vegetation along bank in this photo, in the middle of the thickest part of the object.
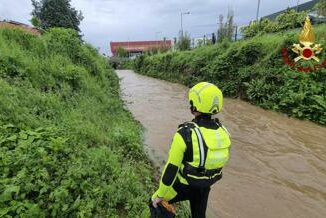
(67, 145)
(252, 69)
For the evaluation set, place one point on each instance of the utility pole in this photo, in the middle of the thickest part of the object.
(298, 5)
(183, 13)
(258, 8)
(236, 33)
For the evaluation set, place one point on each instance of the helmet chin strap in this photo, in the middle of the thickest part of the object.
(192, 108)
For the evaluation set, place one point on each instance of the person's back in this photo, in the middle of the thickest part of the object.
(199, 151)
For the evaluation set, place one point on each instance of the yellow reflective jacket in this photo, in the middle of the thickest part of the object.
(198, 152)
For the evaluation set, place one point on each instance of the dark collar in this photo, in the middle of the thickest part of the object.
(206, 121)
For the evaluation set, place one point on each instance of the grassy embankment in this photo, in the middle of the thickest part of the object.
(253, 70)
(68, 148)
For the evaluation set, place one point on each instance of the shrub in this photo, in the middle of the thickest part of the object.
(68, 148)
(288, 20)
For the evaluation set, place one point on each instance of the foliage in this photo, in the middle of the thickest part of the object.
(204, 41)
(184, 42)
(288, 20)
(200, 42)
(56, 13)
(251, 30)
(250, 69)
(36, 22)
(120, 63)
(158, 49)
(291, 19)
(321, 7)
(263, 26)
(127, 64)
(226, 30)
(122, 53)
(68, 148)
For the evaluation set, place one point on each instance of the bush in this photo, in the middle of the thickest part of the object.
(184, 42)
(68, 147)
(291, 19)
(288, 20)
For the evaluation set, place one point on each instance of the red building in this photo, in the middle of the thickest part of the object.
(139, 47)
(14, 24)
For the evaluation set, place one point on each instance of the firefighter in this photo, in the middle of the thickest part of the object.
(199, 151)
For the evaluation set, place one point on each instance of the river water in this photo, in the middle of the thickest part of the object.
(277, 166)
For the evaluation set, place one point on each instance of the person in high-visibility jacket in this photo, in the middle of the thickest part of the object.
(199, 151)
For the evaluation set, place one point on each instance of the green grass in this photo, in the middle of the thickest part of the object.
(251, 69)
(68, 148)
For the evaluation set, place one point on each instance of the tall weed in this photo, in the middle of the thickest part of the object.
(68, 148)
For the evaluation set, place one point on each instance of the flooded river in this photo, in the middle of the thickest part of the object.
(277, 166)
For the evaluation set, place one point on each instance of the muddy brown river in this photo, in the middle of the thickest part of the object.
(277, 166)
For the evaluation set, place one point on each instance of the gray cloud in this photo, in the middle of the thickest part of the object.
(121, 20)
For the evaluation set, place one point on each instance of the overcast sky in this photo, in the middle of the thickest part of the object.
(122, 20)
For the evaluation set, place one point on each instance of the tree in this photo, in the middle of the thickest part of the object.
(321, 8)
(122, 53)
(221, 30)
(230, 25)
(36, 22)
(226, 30)
(184, 42)
(56, 13)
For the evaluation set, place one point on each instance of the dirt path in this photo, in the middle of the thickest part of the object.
(278, 164)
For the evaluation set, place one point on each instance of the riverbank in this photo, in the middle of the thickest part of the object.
(69, 148)
(253, 70)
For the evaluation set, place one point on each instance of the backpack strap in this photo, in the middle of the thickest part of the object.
(218, 122)
(221, 126)
(185, 131)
